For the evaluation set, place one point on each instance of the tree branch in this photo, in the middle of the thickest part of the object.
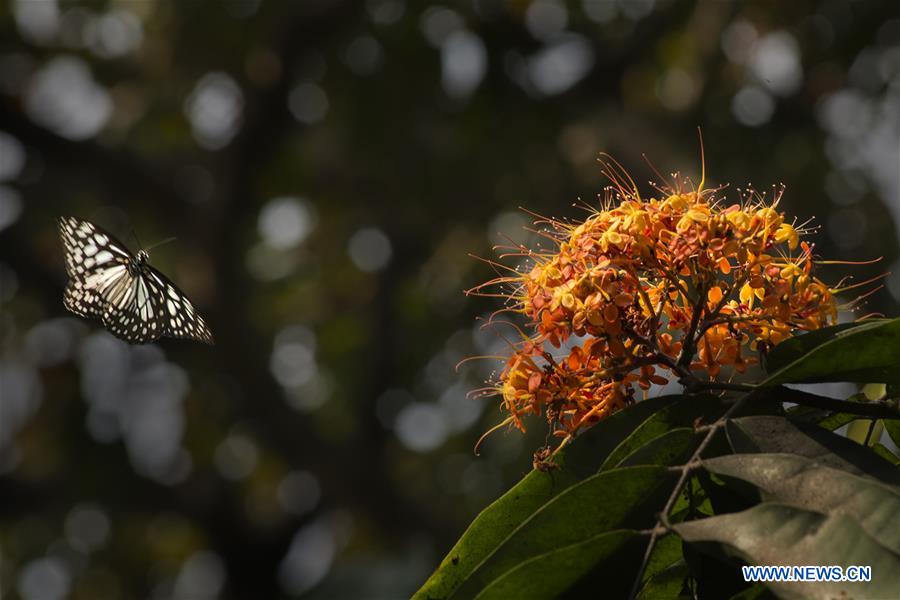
(876, 409)
(662, 523)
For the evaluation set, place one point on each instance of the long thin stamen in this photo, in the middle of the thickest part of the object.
(860, 284)
(850, 262)
(500, 425)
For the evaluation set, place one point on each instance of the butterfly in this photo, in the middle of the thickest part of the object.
(134, 301)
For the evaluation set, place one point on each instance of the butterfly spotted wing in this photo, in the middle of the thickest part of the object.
(180, 318)
(134, 301)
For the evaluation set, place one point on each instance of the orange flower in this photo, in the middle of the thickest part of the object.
(645, 291)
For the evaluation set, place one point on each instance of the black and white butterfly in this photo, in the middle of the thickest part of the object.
(134, 301)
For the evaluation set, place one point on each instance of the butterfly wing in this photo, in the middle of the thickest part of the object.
(93, 257)
(180, 318)
(89, 248)
(82, 301)
(131, 312)
(137, 308)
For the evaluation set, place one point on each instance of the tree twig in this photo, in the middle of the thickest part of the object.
(869, 432)
(686, 469)
(723, 385)
(687, 351)
(876, 409)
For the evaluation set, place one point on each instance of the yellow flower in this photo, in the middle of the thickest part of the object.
(697, 214)
(787, 233)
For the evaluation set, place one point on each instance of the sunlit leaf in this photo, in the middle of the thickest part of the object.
(686, 413)
(807, 484)
(865, 431)
(551, 574)
(867, 352)
(626, 498)
(893, 428)
(836, 421)
(778, 534)
(671, 448)
(882, 451)
(579, 459)
(767, 434)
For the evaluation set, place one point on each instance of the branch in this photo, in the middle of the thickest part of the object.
(711, 318)
(876, 409)
(654, 323)
(662, 523)
(687, 351)
(722, 385)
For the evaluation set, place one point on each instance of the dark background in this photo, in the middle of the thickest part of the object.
(327, 167)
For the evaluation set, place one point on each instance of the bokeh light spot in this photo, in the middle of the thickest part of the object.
(87, 527)
(46, 578)
(546, 18)
(286, 221)
(63, 97)
(202, 577)
(12, 157)
(463, 63)
(776, 63)
(559, 66)
(752, 106)
(308, 103)
(298, 493)
(364, 55)
(10, 206)
(214, 109)
(437, 23)
(370, 249)
(421, 427)
(236, 457)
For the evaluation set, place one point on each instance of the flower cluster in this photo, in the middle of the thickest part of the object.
(683, 287)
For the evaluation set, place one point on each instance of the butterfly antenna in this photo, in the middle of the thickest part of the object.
(137, 241)
(157, 244)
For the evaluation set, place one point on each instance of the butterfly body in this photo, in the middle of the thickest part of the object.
(138, 265)
(134, 300)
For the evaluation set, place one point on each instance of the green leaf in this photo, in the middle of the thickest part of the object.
(765, 434)
(574, 570)
(859, 431)
(579, 459)
(667, 584)
(882, 451)
(590, 449)
(874, 391)
(777, 534)
(801, 482)
(893, 428)
(551, 574)
(867, 353)
(806, 342)
(677, 415)
(666, 553)
(836, 421)
(824, 418)
(626, 498)
(671, 448)
(806, 413)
